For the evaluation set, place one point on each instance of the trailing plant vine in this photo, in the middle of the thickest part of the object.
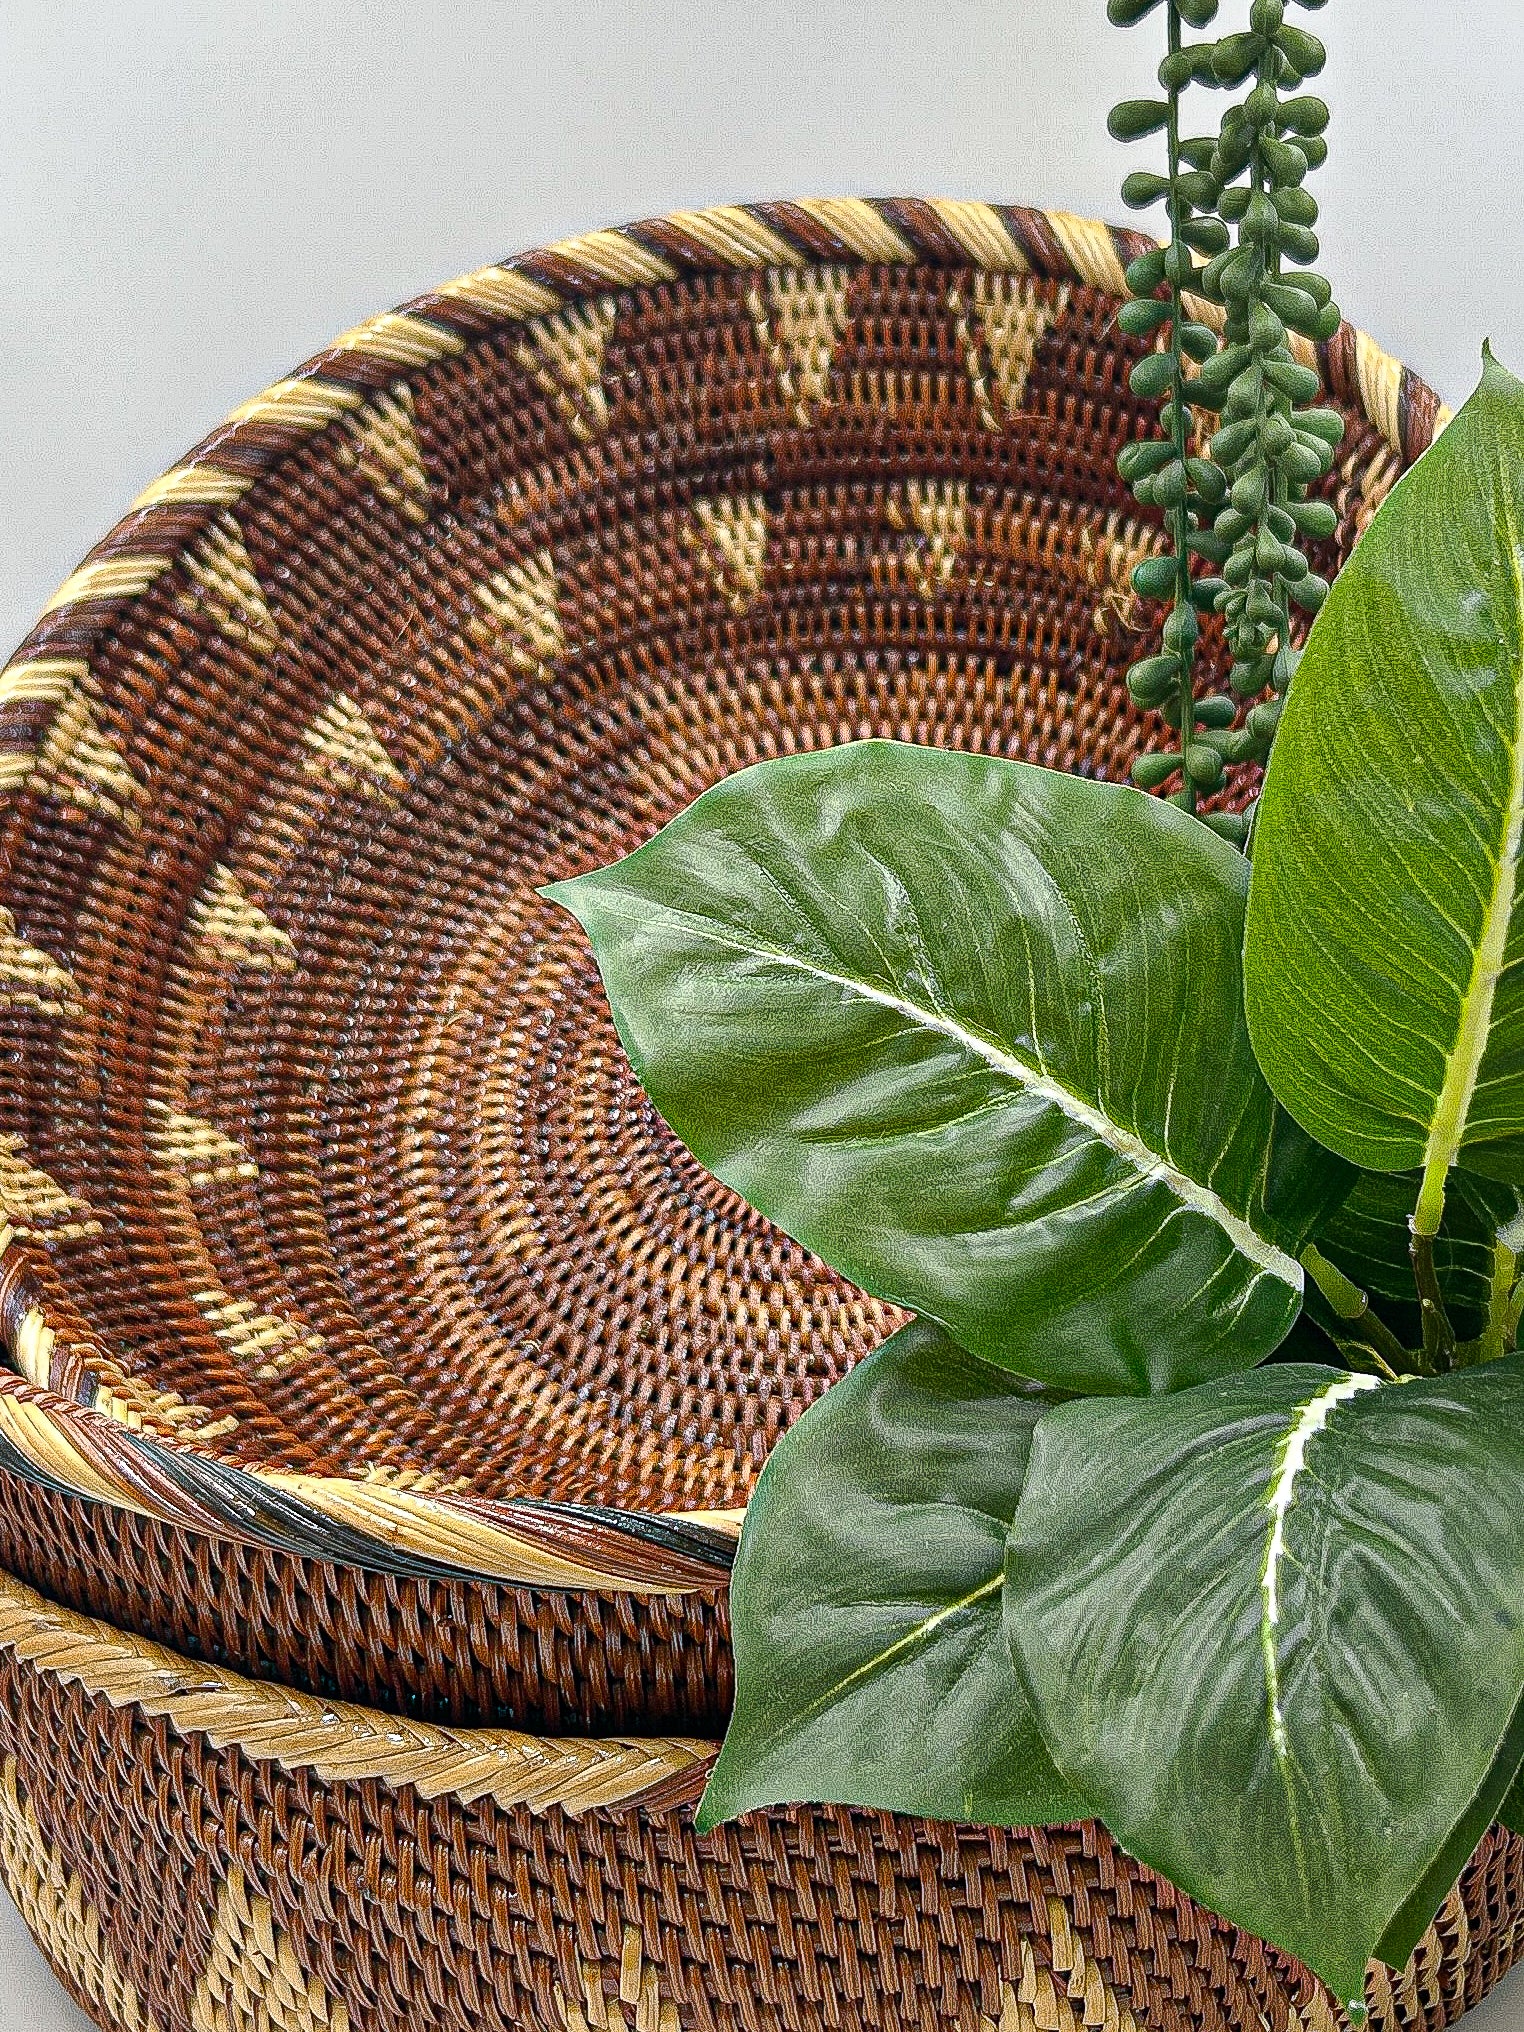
(1241, 236)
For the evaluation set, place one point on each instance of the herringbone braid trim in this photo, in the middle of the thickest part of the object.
(339, 1742)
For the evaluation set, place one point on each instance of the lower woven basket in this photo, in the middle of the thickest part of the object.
(198, 1852)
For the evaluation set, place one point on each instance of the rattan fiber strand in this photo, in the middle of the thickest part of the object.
(335, 1223)
(198, 1853)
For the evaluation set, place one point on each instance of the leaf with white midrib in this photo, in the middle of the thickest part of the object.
(871, 1666)
(1384, 956)
(973, 1032)
(1275, 1623)
(1036, 1080)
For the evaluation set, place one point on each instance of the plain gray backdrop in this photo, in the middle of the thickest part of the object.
(193, 198)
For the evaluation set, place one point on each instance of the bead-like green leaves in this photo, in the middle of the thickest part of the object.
(1273, 1629)
(973, 1032)
(871, 1664)
(1385, 952)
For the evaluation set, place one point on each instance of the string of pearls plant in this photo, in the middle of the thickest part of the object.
(1236, 512)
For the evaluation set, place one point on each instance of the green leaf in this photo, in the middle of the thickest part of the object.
(1367, 1238)
(1385, 951)
(1273, 1629)
(1413, 1920)
(871, 1664)
(973, 1032)
(1511, 1812)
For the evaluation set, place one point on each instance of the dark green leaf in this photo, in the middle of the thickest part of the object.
(1273, 1629)
(1385, 954)
(1134, 118)
(973, 1032)
(1367, 1238)
(1415, 1917)
(871, 1665)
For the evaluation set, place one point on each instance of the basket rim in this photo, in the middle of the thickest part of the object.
(76, 1449)
(341, 1741)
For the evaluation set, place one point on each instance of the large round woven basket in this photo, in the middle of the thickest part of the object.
(368, 1329)
(272, 1863)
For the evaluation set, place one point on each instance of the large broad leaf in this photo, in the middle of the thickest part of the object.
(871, 1664)
(1273, 1629)
(1368, 1239)
(973, 1032)
(1385, 947)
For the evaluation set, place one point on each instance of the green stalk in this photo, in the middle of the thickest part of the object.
(1438, 1333)
(1351, 1307)
(1268, 71)
(1178, 518)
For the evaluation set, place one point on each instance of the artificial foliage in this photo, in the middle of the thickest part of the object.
(1234, 506)
(1190, 1500)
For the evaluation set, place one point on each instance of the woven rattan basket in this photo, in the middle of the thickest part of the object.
(277, 1864)
(369, 1334)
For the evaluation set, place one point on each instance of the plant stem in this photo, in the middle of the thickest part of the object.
(1493, 1341)
(1438, 1334)
(1268, 72)
(1352, 1307)
(1178, 518)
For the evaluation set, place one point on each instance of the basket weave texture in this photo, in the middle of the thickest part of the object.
(335, 1226)
(369, 1333)
(276, 1864)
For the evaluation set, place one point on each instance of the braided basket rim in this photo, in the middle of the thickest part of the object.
(74, 1448)
(342, 1741)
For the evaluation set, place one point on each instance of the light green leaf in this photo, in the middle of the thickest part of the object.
(871, 1663)
(1273, 1629)
(1385, 944)
(973, 1032)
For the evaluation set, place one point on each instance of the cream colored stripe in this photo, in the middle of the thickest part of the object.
(335, 1740)
(858, 226)
(400, 337)
(33, 1349)
(614, 257)
(1213, 315)
(39, 1438)
(109, 578)
(306, 403)
(726, 1522)
(735, 236)
(1092, 252)
(500, 292)
(982, 233)
(44, 682)
(209, 486)
(1379, 379)
(431, 1530)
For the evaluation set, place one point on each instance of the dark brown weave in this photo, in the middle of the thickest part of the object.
(444, 1650)
(195, 1889)
(317, 1148)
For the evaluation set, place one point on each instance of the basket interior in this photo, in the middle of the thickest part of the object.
(315, 1124)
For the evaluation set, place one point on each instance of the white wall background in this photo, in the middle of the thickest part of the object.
(196, 194)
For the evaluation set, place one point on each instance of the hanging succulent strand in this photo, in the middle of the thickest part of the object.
(1165, 474)
(1243, 509)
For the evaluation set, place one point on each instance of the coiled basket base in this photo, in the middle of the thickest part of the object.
(197, 1852)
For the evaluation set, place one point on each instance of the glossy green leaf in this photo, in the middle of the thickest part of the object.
(1273, 1629)
(1367, 1238)
(1414, 1918)
(1385, 947)
(973, 1032)
(871, 1664)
